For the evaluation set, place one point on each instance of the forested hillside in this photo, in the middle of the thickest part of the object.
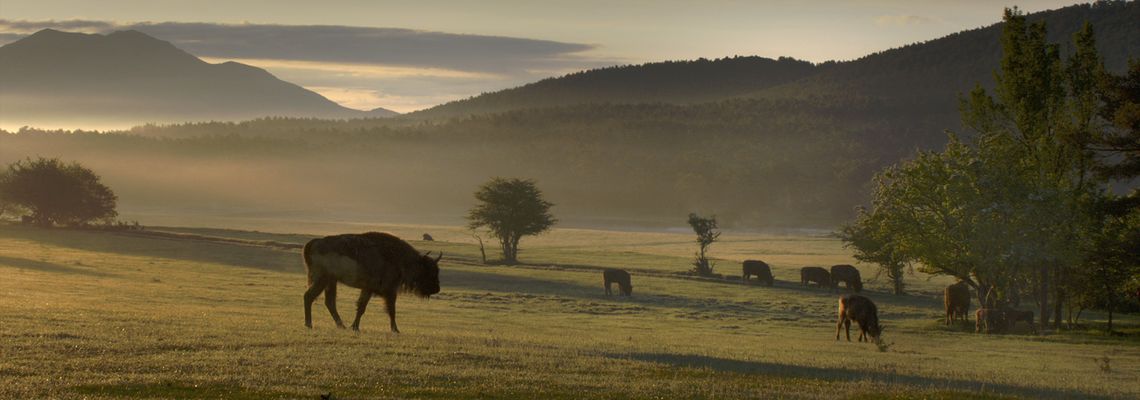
(758, 142)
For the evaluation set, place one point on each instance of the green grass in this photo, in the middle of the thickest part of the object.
(212, 314)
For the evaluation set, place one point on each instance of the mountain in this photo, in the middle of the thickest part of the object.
(920, 78)
(54, 78)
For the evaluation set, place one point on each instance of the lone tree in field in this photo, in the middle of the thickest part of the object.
(872, 243)
(511, 209)
(707, 233)
(55, 193)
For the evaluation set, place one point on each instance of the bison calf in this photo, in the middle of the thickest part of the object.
(956, 298)
(621, 277)
(759, 269)
(815, 274)
(989, 320)
(862, 310)
(847, 274)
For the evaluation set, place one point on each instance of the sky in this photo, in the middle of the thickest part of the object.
(411, 55)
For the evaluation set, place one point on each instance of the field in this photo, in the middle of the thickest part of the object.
(196, 313)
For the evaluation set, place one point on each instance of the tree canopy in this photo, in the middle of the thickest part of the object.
(57, 193)
(511, 209)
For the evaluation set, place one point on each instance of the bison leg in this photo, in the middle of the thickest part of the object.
(390, 305)
(608, 291)
(361, 304)
(310, 296)
(839, 327)
(330, 303)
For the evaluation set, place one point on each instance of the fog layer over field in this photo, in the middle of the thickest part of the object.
(651, 175)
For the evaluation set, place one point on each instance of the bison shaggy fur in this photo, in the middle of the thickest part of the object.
(815, 274)
(760, 270)
(862, 310)
(956, 299)
(376, 263)
(621, 277)
(847, 274)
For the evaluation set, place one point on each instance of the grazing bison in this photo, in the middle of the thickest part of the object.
(760, 269)
(612, 275)
(1012, 317)
(956, 298)
(848, 275)
(428, 238)
(860, 309)
(989, 320)
(815, 274)
(376, 263)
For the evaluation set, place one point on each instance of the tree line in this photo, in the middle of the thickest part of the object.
(1023, 207)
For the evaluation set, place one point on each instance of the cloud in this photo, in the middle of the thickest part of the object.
(901, 20)
(342, 44)
(360, 67)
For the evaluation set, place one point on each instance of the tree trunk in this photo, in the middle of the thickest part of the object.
(1044, 299)
(482, 251)
(1111, 305)
(1058, 302)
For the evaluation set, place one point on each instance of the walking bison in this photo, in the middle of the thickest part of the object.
(375, 263)
(621, 277)
(759, 269)
(862, 310)
(815, 274)
(847, 274)
(956, 298)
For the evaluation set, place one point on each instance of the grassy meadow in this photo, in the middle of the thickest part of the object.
(198, 313)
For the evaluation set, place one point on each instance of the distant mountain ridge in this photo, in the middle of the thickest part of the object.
(54, 77)
(676, 82)
(927, 75)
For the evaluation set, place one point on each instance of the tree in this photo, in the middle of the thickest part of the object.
(874, 244)
(511, 209)
(1112, 267)
(707, 233)
(56, 193)
(1013, 208)
(1049, 108)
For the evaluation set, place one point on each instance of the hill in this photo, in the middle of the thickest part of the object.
(926, 76)
(676, 82)
(54, 78)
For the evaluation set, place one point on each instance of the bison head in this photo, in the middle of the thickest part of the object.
(875, 330)
(425, 281)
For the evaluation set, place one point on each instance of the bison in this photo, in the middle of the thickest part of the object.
(956, 298)
(428, 238)
(989, 320)
(847, 274)
(621, 277)
(760, 269)
(376, 263)
(1012, 317)
(862, 310)
(815, 274)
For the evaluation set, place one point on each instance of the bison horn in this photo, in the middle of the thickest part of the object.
(440, 256)
(427, 254)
